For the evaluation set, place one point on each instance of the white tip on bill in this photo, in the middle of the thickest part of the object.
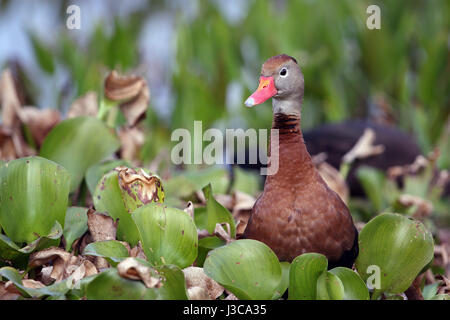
(250, 102)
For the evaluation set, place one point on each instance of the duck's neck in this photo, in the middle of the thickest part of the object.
(294, 161)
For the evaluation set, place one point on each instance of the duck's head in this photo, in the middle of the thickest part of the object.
(282, 80)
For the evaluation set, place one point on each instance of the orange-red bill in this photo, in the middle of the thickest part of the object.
(266, 90)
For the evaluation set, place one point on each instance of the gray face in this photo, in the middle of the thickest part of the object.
(288, 80)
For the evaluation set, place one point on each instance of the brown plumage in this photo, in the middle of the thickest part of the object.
(297, 212)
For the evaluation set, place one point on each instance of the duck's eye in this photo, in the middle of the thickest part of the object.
(283, 72)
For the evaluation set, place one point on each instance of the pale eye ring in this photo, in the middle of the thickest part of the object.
(283, 72)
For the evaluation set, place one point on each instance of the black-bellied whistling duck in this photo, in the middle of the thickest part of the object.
(297, 212)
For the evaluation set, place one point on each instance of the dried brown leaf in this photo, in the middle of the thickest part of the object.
(101, 227)
(132, 90)
(131, 141)
(196, 278)
(198, 293)
(48, 255)
(85, 105)
(32, 284)
(145, 186)
(8, 291)
(130, 268)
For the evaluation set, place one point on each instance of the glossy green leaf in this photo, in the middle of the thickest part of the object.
(97, 171)
(216, 213)
(248, 268)
(77, 144)
(303, 274)
(430, 290)
(43, 54)
(204, 246)
(120, 199)
(168, 235)
(19, 256)
(354, 286)
(441, 296)
(56, 290)
(108, 198)
(329, 287)
(112, 250)
(400, 247)
(33, 196)
(75, 225)
(173, 281)
(284, 283)
(185, 184)
(110, 286)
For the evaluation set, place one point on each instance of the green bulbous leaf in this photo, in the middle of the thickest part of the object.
(168, 235)
(173, 281)
(303, 274)
(248, 268)
(33, 196)
(56, 290)
(398, 246)
(123, 190)
(79, 143)
(216, 213)
(284, 283)
(75, 225)
(205, 245)
(329, 287)
(19, 256)
(109, 285)
(354, 286)
(112, 250)
(97, 171)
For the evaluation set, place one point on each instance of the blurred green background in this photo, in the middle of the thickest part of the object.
(202, 58)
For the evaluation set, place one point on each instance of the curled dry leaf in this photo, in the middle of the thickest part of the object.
(12, 143)
(32, 284)
(102, 228)
(48, 255)
(419, 163)
(220, 232)
(424, 208)
(196, 278)
(140, 185)
(130, 268)
(198, 293)
(131, 141)
(86, 105)
(8, 291)
(242, 210)
(132, 90)
(364, 147)
(56, 256)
